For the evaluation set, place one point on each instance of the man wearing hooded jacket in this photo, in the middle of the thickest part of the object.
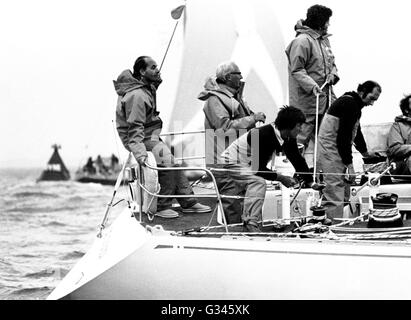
(311, 64)
(227, 117)
(226, 113)
(399, 140)
(139, 127)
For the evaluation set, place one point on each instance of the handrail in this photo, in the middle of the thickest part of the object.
(217, 193)
(166, 134)
(182, 133)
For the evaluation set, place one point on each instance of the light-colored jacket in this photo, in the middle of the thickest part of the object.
(136, 113)
(226, 118)
(310, 61)
(399, 139)
(223, 110)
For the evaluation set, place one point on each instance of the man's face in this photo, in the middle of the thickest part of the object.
(324, 30)
(371, 97)
(151, 73)
(409, 106)
(233, 79)
(296, 131)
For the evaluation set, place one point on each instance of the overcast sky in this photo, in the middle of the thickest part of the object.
(58, 60)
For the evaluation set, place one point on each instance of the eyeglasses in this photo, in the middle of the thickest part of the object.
(239, 73)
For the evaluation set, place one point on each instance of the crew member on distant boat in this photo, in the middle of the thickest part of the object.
(311, 64)
(227, 117)
(399, 140)
(139, 127)
(89, 166)
(101, 167)
(251, 173)
(339, 130)
(114, 163)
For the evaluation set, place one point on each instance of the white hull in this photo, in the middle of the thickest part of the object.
(129, 262)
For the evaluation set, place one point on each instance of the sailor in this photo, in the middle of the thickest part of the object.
(399, 140)
(227, 117)
(250, 173)
(114, 164)
(311, 64)
(139, 127)
(339, 130)
(89, 166)
(101, 167)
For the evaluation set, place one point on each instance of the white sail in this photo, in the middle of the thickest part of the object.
(246, 32)
(255, 34)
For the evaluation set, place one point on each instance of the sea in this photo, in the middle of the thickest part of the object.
(45, 228)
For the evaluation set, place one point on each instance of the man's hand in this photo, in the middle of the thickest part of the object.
(317, 90)
(259, 116)
(142, 160)
(371, 154)
(316, 186)
(350, 174)
(286, 180)
(331, 79)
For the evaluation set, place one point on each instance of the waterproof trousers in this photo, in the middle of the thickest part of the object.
(171, 182)
(307, 135)
(253, 187)
(228, 187)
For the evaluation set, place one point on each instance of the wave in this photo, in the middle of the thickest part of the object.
(41, 274)
(73, 255)
(39, 194)
(55, 224)
(4, 262)
(24, 255)
(77, 198)
(44, 209)
(31, 291)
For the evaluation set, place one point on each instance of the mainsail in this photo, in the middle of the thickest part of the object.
(244, 31)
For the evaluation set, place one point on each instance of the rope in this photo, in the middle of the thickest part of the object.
(381, 213)
(327, 235)
(358, 173)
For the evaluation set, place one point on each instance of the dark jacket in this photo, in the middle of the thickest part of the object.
(267, 145)
(345, 115)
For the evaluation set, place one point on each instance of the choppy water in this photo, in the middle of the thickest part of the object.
(45, 228)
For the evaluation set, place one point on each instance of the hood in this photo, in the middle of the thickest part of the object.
(302, 29)
(211, 87)
(126, 83)
(403, 118)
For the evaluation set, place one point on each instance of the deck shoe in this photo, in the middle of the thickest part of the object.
(197, 208)
(167, 214)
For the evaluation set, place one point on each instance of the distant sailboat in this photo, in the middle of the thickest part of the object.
(103, 170)
(56, 170)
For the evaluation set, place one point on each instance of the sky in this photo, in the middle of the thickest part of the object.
(58, 60)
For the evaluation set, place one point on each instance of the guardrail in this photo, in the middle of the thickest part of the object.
(141, 187)
(166, 134)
